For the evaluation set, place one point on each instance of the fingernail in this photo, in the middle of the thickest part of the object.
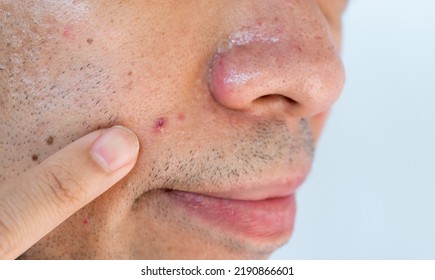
(116, 148)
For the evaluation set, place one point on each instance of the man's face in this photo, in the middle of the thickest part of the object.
(227, 98)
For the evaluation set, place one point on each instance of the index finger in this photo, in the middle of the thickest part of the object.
(36, 202)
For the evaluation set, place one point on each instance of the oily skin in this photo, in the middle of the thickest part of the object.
(70, 67)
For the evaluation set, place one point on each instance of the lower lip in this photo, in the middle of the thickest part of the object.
(268, 218)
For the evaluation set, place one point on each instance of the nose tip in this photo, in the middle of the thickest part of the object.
(308, 73)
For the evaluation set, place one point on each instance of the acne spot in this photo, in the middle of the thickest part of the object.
(85, 221)
(159, 124)
(49, 140)
(68, 32)
(90, 41)
(34, 157)
(181, 117)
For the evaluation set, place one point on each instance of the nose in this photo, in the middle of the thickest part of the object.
(296, 66)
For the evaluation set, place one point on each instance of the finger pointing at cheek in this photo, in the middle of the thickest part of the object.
(36, 202)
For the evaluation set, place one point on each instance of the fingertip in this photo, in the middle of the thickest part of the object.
(115, 148)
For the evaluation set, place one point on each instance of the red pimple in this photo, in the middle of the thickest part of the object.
(85, 221)
(68, 32)
(181, 117)
(159, 124)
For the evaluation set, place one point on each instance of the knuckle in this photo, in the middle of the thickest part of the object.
(63, 185)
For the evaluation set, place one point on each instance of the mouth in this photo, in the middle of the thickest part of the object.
(258, 213)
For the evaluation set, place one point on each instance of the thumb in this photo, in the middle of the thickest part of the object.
(36, 202)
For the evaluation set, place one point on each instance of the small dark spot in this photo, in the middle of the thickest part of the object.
(49, 140)
(130, 73)
(34, 157)
(90, 41)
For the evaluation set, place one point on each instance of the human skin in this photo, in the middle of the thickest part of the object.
(227, 98)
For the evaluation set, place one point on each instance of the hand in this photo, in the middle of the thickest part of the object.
(34, 203)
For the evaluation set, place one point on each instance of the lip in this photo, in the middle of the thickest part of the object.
(266, 213)
(261, 191)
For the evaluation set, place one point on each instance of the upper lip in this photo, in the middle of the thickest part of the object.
(273, 188)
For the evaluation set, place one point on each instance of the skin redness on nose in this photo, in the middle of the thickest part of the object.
(226, 75)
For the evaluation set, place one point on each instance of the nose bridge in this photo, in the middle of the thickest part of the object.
(296, 59)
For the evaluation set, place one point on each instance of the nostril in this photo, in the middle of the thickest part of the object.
(290, 100)
(274, 103)
(277, 98)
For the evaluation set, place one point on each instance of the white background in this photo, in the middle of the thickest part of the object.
(302, 270)
(371, 194)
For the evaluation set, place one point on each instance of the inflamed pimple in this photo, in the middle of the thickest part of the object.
(68, 32)
(159, 124)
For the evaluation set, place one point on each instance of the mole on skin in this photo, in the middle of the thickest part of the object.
(34, 157)
(49, 140)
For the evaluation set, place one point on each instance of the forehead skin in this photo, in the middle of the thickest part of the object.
(70, 67)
